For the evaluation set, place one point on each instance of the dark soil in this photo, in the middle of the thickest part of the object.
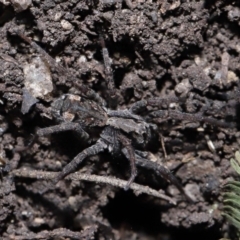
(162, 49)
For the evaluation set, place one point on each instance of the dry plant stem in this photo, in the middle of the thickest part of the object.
(85, 234)
(163, 146)
(138, 189)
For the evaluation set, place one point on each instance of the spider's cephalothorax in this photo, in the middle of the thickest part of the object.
(119, 128)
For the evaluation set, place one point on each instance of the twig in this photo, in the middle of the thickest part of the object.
(163, 146)
(138, 189)
(85, 234)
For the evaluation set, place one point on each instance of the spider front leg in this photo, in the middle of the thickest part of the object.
(154, 102)
(130, 154)
(112, 91)
(73, 165)
(56, 129)
(68, 126)
(100, 146)
(85, 90)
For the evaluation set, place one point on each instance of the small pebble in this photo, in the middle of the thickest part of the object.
(66, 25)
(21, 5)
(37, 79)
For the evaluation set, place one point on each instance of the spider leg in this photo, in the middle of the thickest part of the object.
(124, 114)
(154, 102)
(55, 129)
(87, 92)
(43, 53)
(161, 170)
(172, 114)
(100, 146)
(68, 126)
(107, 64)
(130, 154)
(138, 106)
(112, 92)
(73, 165)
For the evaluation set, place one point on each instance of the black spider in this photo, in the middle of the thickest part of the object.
(120, 128)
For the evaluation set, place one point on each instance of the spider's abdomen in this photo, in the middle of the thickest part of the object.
(69, 108)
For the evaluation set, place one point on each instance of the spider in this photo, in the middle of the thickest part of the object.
(120, 129)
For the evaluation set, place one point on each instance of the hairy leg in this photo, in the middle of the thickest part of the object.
(130, 154)
(124, 114)
(63, 128)
(154, 102)
(72, 166)
(87, 92)
(172, 114)
(159, 169)
(55, 129)
(112, 91)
